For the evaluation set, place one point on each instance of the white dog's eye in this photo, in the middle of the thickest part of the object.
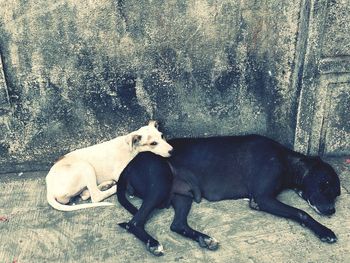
(153, 143)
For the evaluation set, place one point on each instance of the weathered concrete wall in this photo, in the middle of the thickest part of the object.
(323, 125)
(78, 72)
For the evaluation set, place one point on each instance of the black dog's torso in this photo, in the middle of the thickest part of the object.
(220, 168)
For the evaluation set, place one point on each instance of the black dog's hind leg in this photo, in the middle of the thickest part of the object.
(182, 205)
(136, 225)
(275, 207)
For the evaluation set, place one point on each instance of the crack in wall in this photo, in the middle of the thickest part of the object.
(120, 4)
(4, 94)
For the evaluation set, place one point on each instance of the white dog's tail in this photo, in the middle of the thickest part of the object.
(57, 205)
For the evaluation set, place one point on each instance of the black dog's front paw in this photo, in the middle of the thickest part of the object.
(327, 235)
(208, 242)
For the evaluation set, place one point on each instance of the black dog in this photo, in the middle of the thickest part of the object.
(219, 168)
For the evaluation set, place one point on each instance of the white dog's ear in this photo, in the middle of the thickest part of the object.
(153, 123)
(133, 140)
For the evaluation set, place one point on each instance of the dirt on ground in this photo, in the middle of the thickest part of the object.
(31, 231)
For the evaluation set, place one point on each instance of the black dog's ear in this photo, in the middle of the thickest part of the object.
(303, 165)
(153, 123)
(300, 167)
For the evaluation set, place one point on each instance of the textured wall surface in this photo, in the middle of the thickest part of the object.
(78, 72)
(323, 125)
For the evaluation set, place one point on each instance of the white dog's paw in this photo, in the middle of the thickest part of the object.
(85, 195)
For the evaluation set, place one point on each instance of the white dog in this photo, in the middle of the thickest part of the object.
(86, 171)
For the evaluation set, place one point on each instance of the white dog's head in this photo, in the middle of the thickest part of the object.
(149, 138)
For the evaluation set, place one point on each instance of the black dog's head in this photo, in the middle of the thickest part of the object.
(320, 185)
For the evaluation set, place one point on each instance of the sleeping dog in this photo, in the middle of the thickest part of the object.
(79, 172)
(220, 168)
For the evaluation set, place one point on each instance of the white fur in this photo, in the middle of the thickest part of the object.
(314, 207)
(85, 171)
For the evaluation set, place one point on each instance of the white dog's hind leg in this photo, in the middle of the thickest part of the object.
(85, 195)
(96, 194)
(104, 194)
(104, 186)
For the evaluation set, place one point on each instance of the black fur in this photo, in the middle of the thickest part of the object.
(219, 168)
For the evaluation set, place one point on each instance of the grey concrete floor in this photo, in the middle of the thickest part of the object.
(31, 231)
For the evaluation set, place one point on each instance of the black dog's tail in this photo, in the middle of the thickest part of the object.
(121, 194)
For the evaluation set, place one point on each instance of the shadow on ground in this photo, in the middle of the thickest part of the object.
(31, 231)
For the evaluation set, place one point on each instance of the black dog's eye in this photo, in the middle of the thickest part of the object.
(153, 143)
